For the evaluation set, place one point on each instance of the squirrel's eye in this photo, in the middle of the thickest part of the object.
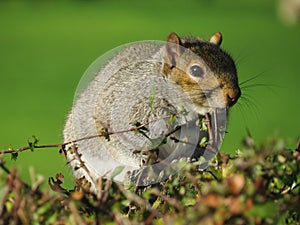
(196, 71)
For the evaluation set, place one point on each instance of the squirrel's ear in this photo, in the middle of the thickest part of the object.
(174, 38)
(173, 49)
(216, 38)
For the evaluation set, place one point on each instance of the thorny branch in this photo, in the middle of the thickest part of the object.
(105, 134)
(61, 146)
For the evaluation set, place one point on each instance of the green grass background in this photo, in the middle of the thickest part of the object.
(45, 47)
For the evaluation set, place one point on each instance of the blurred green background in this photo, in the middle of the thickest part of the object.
(45, 47)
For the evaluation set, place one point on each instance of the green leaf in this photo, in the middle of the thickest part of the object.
(202, 124)
(32, 142)
(151, 101)
(14, 156)
(117, 171)
(263, 211)
(157, 142)
(126, 203)
(203, 142)
(104, 133)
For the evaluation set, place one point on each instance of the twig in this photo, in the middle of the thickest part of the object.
(62, 145)
(138, 200)
(30, 147)
(6, 170)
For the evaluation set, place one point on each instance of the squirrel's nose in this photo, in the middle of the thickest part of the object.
(232, 96)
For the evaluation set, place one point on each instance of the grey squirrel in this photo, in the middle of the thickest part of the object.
(148, 97)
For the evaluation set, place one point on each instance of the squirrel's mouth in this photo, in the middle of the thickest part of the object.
(221, 98)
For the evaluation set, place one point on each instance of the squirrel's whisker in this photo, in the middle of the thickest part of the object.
(251, 78)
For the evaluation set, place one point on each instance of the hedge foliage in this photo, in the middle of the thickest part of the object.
(258, 185)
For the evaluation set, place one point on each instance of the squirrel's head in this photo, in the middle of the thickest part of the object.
(205, 72)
